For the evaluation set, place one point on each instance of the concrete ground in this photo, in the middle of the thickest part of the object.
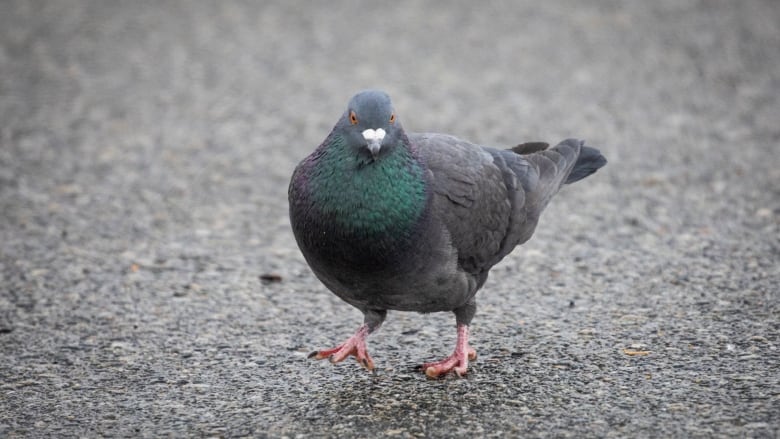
(145, 151)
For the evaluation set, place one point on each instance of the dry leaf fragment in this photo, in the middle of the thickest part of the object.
(634, 352)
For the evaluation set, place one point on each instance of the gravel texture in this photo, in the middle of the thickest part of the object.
(150, 284)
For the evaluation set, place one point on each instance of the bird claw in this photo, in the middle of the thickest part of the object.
(354, 346)
(458, 362)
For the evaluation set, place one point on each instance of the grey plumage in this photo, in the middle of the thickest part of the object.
(478, 204)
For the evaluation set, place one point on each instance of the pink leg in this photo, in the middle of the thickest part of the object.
(458, 361)
(355, 346)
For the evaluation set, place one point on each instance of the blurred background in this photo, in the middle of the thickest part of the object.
(145, 152)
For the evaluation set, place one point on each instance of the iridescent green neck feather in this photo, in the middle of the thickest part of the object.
(369, 198)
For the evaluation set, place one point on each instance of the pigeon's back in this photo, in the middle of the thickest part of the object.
(489, 200)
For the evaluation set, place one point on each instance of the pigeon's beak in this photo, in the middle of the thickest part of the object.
(374, 146)
(374, 139)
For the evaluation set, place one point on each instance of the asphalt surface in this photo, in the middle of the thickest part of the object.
(145, 151)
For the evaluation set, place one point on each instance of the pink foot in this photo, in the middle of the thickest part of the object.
(458, 361)
(355, 346)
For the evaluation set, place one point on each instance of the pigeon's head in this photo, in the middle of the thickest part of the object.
(370, 124)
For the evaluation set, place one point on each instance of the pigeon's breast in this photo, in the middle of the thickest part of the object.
(369, 234)
(421, 276)
(367, 217)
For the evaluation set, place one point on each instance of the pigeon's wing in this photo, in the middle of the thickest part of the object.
(470, 197)
(488, 199)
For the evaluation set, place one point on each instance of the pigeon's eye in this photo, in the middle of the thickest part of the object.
(353, 118)
(392, 118)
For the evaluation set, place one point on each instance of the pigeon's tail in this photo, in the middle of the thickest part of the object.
(588, 162)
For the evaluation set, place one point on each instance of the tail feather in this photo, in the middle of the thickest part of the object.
(530, 147)
(588, 162)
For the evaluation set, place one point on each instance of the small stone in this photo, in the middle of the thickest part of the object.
(269, 278)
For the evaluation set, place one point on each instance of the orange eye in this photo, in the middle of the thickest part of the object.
(353, 118)
(392, 118)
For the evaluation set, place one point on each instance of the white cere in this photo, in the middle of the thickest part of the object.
(377, 134)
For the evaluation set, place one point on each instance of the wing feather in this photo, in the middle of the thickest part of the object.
(488, 199)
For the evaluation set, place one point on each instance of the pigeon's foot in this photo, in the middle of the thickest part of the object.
(355, 346)
(458, 361)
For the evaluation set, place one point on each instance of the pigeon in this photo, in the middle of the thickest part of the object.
(390, 220)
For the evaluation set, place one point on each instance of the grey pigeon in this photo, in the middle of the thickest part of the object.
(390, 220)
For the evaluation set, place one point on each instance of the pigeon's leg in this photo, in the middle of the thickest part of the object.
(355, 345)
(459, 360)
